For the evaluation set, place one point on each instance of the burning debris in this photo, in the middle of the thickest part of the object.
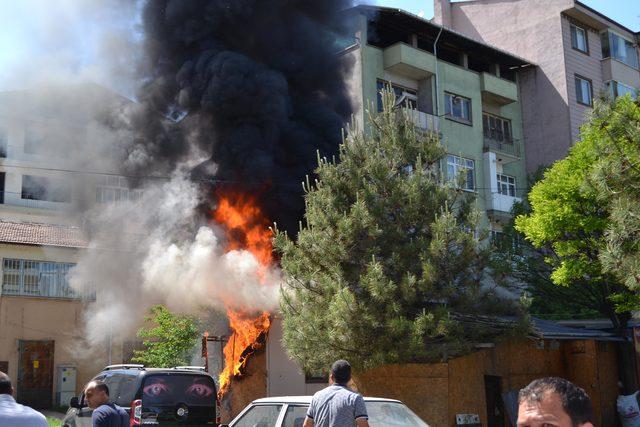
(246, 228)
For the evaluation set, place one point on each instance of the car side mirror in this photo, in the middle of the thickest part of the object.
(74, 402)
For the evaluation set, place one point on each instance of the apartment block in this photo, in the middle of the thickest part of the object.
(464, 90)
(580, 55)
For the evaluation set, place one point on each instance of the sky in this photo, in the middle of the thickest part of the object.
(626, 12)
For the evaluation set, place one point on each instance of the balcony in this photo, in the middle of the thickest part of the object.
(499, 206)
(506, 150)
(409, 61)
(612, 69)
(498, 91)
(423, 121)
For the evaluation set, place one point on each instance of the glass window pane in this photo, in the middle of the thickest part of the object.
(294, 417)
(260, 415)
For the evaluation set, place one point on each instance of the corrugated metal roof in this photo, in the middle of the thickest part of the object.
(30, 233)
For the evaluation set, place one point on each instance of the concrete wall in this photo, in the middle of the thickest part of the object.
(532, 30)
(437, 392)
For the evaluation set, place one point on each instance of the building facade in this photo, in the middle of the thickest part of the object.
(453, 85)
(43, 134)
(580, 54)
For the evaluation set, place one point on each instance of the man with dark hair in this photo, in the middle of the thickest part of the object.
(337, 405)
(554, 402)
(13, 414)
(105, 414)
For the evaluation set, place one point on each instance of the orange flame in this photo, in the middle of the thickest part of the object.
(246, 227)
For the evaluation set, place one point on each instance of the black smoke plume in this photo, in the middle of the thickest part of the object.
(258, 84)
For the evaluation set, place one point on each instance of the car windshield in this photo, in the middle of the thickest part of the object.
(172, 389)
(388, 414)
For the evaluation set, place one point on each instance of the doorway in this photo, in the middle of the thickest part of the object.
(35, 373)
(495, 406)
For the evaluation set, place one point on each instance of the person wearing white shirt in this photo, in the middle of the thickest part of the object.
(13, 414)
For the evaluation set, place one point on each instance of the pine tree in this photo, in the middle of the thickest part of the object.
(389, 255)
(614, 131)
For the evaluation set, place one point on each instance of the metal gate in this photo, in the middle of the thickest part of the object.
(35, 373)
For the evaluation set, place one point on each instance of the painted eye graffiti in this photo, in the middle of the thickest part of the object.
(159, 388)
(199, 390)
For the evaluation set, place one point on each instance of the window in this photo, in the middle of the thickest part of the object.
(506, 185)
(461, 172)
(4, 142)
(2, 177)
(615, 46)
(115, 189)
(583, 91)
(617, 89)
(36, 278)
(405, 96)
(579, 39)
(457, 107)
(294, 417)
(496, 128)
(48, 189)
(260, 415)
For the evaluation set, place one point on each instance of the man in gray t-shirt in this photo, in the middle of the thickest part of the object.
(337, 405)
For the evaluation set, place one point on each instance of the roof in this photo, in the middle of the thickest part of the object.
(30, 233)
(418, 24)
(307, 399)
(547, 329)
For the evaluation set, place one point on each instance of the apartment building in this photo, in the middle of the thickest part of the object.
(465, 90)
(580, 53)
(43, 135)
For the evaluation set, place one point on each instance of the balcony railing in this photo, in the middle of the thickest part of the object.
(424, 121)
(504, 146)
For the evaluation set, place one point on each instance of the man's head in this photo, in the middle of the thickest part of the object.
(340, 372)
(96, 394)
(554, 402)
(5, 384)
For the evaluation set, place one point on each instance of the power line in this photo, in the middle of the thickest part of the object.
(168, 178)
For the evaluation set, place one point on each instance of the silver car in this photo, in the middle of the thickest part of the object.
(289, 411)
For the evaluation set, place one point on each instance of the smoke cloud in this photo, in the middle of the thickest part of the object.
(241, 93)
(260, 84)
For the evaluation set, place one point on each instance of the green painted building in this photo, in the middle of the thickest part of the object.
(465, 90)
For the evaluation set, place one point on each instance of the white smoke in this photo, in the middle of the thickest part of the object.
(152, 251)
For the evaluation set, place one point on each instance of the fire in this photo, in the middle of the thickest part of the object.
(247, 228)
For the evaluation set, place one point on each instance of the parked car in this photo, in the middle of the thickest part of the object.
(183, 395)
(290, 411)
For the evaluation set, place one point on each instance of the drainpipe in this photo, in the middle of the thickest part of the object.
(435, 53)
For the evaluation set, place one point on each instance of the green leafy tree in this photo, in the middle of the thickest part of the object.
(168, 338)
(388, 263)
(571, 223)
